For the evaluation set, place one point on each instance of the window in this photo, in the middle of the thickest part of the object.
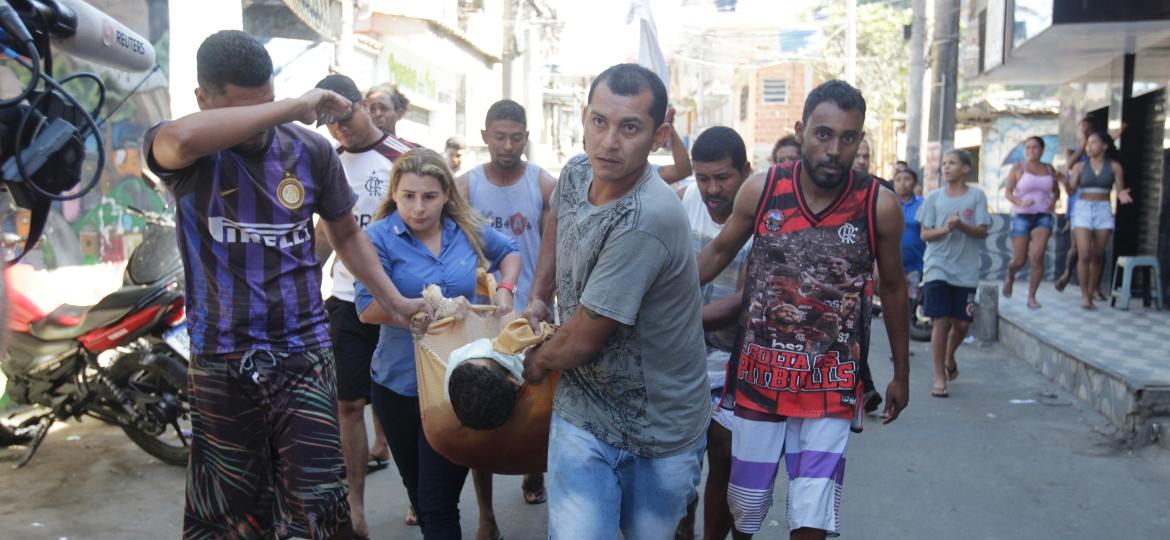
(775, 91)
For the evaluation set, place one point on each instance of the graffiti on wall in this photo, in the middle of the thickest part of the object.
(997, 252)
(97, 227)
(1003, 147)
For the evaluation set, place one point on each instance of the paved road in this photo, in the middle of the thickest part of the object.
(974, 466)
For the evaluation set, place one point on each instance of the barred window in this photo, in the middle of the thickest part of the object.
(775, 91)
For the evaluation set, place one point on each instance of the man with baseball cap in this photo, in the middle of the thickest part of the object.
(366, 154)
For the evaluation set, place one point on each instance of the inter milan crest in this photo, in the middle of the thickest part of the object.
(290, 192)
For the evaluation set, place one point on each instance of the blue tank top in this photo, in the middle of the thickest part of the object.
(514, 211)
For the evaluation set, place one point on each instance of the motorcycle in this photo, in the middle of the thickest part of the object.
(919, 323)
(156, 260)
(123, 360)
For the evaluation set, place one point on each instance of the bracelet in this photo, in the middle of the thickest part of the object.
(508, 286)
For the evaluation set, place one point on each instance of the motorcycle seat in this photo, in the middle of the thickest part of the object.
(66, 315)
(108, 310)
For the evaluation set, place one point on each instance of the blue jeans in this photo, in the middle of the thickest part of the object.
(1022, 224)
(595, 488)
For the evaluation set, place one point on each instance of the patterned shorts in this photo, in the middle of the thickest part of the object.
(266, 450)
(813, 450)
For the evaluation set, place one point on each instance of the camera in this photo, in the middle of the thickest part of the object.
(44, 128)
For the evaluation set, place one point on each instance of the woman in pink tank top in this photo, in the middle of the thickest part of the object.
(1032, 190)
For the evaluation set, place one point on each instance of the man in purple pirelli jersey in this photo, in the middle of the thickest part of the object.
(265, 453)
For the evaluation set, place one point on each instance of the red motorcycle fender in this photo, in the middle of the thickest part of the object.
(111, 336)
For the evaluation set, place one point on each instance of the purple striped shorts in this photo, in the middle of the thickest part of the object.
(813, 450)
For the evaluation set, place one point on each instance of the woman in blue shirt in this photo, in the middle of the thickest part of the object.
(426, 232)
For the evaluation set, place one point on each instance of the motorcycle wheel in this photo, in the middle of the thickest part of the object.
(156, 381)
(919, 324)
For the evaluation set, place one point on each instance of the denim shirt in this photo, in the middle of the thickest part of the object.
(411, 266)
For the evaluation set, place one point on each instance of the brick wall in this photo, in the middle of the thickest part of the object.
(774, 120)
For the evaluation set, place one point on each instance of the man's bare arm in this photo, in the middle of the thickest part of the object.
(321, 247)
(544, 280)
(355, 250)
(183, 141)
(722, 312)
(681, 168)
(463, 184)
(577, 342)
(892, 290)
(720, 251)
(548, 184)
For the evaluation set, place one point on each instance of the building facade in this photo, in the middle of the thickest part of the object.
(1105, 59)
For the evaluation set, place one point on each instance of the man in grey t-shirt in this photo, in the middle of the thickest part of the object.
(631, 408)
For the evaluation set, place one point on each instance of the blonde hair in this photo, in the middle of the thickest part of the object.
(423, 162)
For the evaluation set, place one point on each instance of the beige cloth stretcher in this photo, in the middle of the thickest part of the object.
(520, 446)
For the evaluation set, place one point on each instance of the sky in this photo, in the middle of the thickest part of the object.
(597, 36)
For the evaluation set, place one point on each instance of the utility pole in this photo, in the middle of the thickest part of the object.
(946, 75)
(914, 96)
(851, 42)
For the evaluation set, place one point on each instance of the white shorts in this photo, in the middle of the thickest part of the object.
(1096, 215)
(813, 450)
(719, 415)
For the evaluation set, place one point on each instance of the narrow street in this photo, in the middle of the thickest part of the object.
(974, 466)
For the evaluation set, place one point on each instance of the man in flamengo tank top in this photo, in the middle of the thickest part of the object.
(513, 195)
(816, 229)
(809, 271)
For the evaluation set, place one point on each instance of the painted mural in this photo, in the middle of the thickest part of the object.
(997, 251)
(1003, 147)
(97, 228)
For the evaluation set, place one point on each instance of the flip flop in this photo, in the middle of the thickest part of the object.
(535, 496)
(411, 518)
(952, 372)
(940, 392)
(376, 464)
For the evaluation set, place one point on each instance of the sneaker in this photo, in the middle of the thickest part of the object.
(872, 400)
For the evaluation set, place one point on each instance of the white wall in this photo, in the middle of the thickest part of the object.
(191, 23)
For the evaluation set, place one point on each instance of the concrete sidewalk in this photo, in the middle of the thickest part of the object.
(1117, 361)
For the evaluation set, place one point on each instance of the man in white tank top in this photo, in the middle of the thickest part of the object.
(721, 166)
(513, 195)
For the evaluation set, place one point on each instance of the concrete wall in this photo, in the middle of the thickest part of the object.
(428, 69)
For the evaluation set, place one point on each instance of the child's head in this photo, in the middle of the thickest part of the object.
(956, 165)
(482, 393)
(904, 182)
